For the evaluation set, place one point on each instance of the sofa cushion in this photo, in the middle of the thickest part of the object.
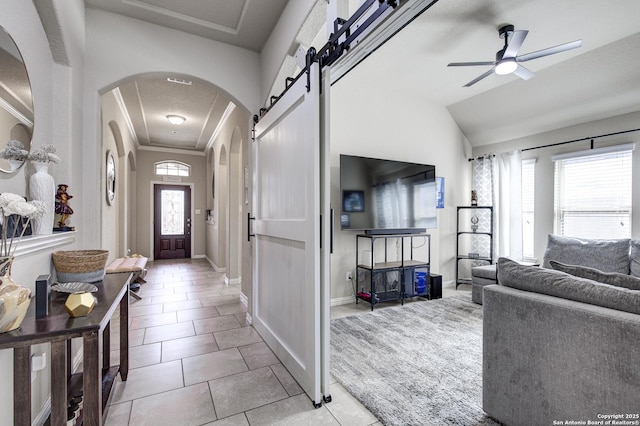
(612, 278)
(485, 271)
(605, 255)
(560, 284)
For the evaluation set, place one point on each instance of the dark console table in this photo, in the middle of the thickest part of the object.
(58, 328)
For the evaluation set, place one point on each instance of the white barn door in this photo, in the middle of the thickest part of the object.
(290, 287)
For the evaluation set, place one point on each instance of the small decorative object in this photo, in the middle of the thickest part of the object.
(80, 304)
(74, 288)
(15, 154)
(14, 299)
(474, 198)
(63, 208)
(474, 255)
(111, 178)
(474, 223)
(80, 265)
(42, 296)
(42, 186)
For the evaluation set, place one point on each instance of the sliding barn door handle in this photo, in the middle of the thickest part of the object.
(249, 233)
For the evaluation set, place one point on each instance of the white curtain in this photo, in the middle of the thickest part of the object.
(497, 180)
(507, 208)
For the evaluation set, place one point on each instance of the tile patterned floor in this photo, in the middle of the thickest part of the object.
(194, 360)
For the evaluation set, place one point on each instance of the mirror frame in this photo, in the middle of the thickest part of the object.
(110, 178)
(19, 106)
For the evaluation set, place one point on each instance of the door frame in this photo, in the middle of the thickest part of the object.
(151, 213)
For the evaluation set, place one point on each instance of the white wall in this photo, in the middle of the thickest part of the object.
(390, 121)
(138, 47)
(56, 121)
(544, 169)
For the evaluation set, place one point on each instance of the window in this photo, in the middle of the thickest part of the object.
(593, 193)
(172, 168)
(528, 189)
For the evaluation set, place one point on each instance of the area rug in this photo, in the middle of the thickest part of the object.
(417, 364)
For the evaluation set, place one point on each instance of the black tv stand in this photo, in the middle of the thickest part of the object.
(394, 231)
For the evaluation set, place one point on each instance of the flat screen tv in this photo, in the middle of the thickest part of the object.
(386, 196)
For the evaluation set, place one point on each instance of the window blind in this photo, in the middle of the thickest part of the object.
(593, 195)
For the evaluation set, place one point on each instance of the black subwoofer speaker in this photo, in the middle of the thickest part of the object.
(435, 287)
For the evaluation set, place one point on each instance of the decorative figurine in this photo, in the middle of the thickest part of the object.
(474, 198)
(63, 208)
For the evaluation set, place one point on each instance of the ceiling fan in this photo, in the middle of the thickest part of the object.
(507, 59)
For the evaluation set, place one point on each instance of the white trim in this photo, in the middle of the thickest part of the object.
(343, 300)
(596, 151)
(244, 299)
(125, 114)
(37, 243)
(214, 266)
(225, 115)
(17, 114)
(232, 281)
(172, 150)
(43, 415)
(191, 19)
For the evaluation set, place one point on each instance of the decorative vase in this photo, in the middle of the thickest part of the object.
(14, 299)
(43, 188)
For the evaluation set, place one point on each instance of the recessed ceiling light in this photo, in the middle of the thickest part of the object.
(176, 119)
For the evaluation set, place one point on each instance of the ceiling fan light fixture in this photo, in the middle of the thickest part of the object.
(506, 66)
(176, 119)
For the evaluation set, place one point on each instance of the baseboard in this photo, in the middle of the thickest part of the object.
(245, 301)
(45, 410)
(198, 256)
(44, 413)
(214, 266)
(342, 300)
(233, 280)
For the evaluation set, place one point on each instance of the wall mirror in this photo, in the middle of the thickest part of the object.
(16, 102)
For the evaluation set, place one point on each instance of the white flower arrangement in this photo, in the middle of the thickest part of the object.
(14, 151)
(13, 204)
(44, 154)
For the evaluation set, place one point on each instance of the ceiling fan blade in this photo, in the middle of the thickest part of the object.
(549, 51)
(515, 43)
(469, 64)
(524, 73)
(477, 79)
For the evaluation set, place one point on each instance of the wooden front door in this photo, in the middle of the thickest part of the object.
(172, 221)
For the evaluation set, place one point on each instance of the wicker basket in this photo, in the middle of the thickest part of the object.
(80, 265)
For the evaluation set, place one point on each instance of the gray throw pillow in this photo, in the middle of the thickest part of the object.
(634, 265)
(605, 255)
(560, 284)
(613, 278)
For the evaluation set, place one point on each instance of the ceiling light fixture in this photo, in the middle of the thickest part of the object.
(506, 66)
(176, 119)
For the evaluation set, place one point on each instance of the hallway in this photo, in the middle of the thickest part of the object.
(194, 360)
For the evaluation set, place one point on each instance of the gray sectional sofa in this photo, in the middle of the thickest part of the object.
(564, 345)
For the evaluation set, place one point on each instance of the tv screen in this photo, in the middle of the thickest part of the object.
(386, 196)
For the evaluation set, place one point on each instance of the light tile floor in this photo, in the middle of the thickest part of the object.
(194, 360)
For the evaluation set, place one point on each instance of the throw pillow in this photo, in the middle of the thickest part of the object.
(613, 278)
(605, 255)
(634, 256)
(562, 285)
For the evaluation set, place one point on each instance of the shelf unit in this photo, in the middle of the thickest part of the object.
(462, 232)
(392, 278)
